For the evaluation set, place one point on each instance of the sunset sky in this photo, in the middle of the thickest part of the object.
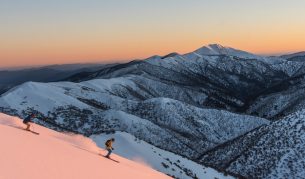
(38, 32)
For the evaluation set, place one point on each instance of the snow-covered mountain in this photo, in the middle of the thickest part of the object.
(272, 151)
(92, 107)
(229, 81)
(53, 155)
(217, 49)
(189, 104)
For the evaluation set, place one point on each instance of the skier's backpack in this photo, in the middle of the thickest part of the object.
(107, 143)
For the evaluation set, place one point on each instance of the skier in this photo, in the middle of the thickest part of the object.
(109, 146)
(27, 121)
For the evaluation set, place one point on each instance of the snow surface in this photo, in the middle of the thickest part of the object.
(274, 151)
(137, 150)
(53, 155)
(216, 49)
(48, 94)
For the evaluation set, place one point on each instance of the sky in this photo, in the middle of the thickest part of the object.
(39, 32)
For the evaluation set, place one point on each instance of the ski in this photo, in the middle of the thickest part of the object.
(17, 127)
(109, 158)
(112, 159)
(33, 132)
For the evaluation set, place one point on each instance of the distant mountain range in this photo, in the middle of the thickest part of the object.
(12, 78)
(238, 112)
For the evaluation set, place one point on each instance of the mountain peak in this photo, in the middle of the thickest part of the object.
(216, 46)
(212, 49)
(217, 49)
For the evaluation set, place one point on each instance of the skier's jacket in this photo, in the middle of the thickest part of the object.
(109, 144)
(28, 119)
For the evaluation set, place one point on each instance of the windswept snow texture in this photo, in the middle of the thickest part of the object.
(52, 155)
(272, 151)
(134, 149)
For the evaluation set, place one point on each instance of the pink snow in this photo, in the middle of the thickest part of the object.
(54, 155)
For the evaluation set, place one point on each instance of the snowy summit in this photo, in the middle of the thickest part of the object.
(217, 49)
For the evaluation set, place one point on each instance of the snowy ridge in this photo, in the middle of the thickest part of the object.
(25, 155)
(216, 49)
(40, 93)
(277, 148)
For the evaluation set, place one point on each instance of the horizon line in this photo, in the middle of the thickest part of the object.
(113, 61)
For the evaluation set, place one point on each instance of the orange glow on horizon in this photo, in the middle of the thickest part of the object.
(112, 31)
(36, 54)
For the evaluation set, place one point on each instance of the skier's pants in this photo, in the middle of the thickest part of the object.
(109, 152)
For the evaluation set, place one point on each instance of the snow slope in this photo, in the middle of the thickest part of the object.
(52, 155)
(217, 49)
(274, 151)
(137, 150)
